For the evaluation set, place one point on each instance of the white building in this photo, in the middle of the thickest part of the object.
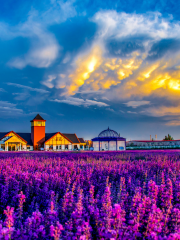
(109, 140)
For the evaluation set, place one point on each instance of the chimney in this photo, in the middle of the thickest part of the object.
(156, 136)
(150, 138)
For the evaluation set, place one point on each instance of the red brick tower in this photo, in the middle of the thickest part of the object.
(38, 132)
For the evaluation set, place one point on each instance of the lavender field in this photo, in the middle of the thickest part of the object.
(107, 195)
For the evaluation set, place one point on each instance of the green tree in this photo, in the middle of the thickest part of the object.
(168, 137)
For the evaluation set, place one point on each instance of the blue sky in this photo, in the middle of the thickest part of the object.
(87, 65)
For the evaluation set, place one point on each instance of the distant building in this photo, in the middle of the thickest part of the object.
(38, 138)
(88, 144)
(109, 140)
(144, 144)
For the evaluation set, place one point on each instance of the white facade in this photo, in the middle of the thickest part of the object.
(109, 140)
(121, 145)
(157, 144)
(71, 147)
(96, 146)
(109, 146)
(112, 146)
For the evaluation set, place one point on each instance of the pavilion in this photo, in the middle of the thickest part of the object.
(109, 140)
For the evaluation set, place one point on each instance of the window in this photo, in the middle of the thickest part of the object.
(60, 147)
(57, 147)
(51, 147)
(28, 147)
(66, 146)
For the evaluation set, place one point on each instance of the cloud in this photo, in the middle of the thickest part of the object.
(35, 113)
(80, 102)
(132, 74)
(28, 88)
(40, 57)
(135, 104)
(21, 96)
(49, 82)
(131, 112)
(7, 108)
(44, 48)
(90, 92)
(173, 123)
(2, 90)
(110, 109)
(162, 111)
(120, 25)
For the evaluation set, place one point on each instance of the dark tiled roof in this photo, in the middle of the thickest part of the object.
(49, 135)
(72, 137)
(38, 117)
(82, 140)
(2, 134)
(26, 137)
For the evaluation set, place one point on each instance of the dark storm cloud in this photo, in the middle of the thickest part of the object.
(126, 46)
(160, 48)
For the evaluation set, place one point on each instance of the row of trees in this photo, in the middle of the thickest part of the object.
(168, 137)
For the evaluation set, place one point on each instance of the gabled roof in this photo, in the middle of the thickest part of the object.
(48, 136)
(15, 134)
(82, 140)
(72, 137)
(38, 117)
(24, 136)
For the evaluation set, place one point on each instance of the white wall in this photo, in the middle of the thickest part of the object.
(112, 145)
(46, 147)
(104, 145)
(24, 148)
(96, 146)
(121, 144)
(31, 148)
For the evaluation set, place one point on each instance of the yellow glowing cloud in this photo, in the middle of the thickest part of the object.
(133, 75)
(174, 84)
(108, 83)
(147, 71)
(85, 65)
(93, 69)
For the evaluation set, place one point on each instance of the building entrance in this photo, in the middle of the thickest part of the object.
(14, 146)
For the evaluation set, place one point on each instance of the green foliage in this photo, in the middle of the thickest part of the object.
(168, 137)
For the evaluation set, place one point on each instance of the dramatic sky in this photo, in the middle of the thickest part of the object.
(86, 65)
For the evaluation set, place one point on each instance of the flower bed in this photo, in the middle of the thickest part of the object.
(92, 195)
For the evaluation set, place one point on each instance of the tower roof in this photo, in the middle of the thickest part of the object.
(108, 133)
(38, 117)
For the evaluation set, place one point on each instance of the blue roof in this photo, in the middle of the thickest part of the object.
(108, 133)
(109, 139)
